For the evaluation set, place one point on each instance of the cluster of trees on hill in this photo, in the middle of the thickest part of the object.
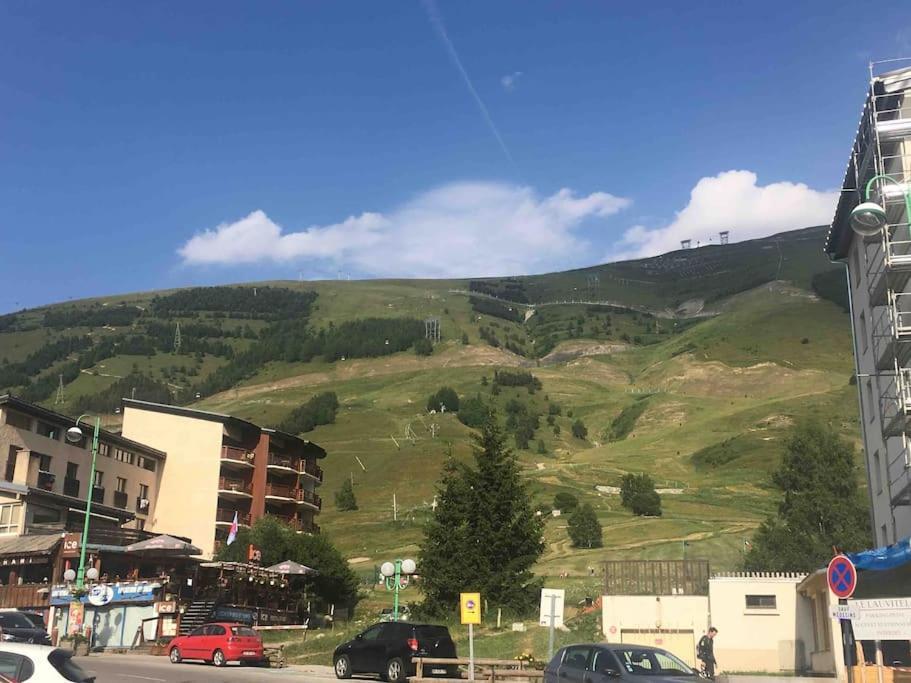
(345, 500)
(267, 303)
(473, 412)
(522, 421)
(21, 373)
(623, 424)
(135, 385)
(638, 494)
(496, 309)
(42, 387)
(318, 410)
(95, 316)
(444, 397)
(509, 289)
(517, 378)
(293, 341)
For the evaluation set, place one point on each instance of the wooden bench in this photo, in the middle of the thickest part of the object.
(489, 670)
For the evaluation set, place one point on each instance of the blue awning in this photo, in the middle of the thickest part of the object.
(879, 559)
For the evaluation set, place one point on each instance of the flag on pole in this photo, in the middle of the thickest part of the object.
(232, 533)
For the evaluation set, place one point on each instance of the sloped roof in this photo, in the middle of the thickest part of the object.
(34, 544)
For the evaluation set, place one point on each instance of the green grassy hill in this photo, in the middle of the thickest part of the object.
(706, 394)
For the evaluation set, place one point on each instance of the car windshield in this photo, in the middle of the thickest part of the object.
(63, 662)
(15, 620)
(36, 619)
(641, 662)
(244, 631)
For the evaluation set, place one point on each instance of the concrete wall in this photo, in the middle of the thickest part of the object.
(61, 453)
(650, 613)
(188, 492)
(763, 639)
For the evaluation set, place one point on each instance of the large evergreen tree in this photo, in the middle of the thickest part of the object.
(344, 497)
(821, 506)
(484, 534)
(584, 528)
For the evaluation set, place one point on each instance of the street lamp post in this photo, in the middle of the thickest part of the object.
(395, 577)
(869, 218)
(74, 434)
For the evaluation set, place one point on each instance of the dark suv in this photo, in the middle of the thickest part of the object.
(386, 649)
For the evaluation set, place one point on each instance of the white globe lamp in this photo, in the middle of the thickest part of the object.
(91, 574)
(387, 569)
(69, 576)
(408, 567)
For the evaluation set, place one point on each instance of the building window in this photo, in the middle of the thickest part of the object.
(123, 456)
(104, 449)
(18, 420)
(72, 470)
(870, 409)
(141, 524)
(121, 484)
(144, 491)
(878, 472)
(48, 430)
(44, 462)
(863, 332)
(11, 463)
(146, 463)
(761, 602)
(43, 515)
(99, 478)
(9, 518)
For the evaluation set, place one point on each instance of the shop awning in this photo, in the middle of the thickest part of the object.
(163, 545)
(33, 544)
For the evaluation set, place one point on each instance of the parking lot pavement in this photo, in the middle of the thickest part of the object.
(147, 669)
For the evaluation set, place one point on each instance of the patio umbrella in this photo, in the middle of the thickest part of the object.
(290, 567)
(163, 545)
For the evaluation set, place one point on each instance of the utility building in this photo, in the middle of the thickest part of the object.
(870, 235)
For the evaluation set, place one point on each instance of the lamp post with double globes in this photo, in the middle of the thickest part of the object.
(395, 576)
(74, 435)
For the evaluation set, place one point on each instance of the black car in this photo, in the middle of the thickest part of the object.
(386, 649)
(15, 627)
(605, 663)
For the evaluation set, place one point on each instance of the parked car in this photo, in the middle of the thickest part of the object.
(386, 649)
(40, 663)
(603, 663)
(15, 627)
(34, 617)
(218, 643)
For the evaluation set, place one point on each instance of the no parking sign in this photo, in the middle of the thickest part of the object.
(842, 577)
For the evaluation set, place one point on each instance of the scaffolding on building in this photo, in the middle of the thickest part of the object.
(880, 170)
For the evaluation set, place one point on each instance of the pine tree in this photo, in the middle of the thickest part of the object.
(821, 505)
(584, 528)
(484, 534)
(344, 497)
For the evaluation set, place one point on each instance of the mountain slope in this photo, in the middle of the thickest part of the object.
(716, 393)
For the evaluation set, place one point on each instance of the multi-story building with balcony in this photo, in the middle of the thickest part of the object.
(219, 466)
(45, 478)
(871, 235)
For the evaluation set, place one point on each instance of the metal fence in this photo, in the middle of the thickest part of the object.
(656, 577)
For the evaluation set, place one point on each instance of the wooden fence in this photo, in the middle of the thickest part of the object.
(488, 670)
(27, 595)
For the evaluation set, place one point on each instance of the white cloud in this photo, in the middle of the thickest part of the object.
(733, 201)
(509, 81)
(456, 230)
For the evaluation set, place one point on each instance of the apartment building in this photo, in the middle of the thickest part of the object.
(219, 466)
(45, 479)
(870, 234)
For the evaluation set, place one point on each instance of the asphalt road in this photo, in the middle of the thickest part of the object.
(147, 669)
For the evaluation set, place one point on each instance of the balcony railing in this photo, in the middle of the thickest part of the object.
(120, 499)
(71, 487)
(237, 454)
(280, 491)
(223, 515)
(46, 481)
(235, 485)
(284, 461)
(142, 506)
(305, 496)
(98, 494)
(313, 470)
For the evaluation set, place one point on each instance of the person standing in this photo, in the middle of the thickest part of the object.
(705, 652)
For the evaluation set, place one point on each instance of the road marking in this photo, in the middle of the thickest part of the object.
(144, 678)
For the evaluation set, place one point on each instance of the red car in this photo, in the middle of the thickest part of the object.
(218, 643)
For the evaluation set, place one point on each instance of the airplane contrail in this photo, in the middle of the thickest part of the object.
(437, 20)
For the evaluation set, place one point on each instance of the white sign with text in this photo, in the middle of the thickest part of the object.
(881, 619)
(552, 598)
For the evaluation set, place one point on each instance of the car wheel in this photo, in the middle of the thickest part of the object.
(218, 658)
(343, 667)
(174, 655)
(395, 671)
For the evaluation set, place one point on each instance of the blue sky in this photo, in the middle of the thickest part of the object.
(152, 145)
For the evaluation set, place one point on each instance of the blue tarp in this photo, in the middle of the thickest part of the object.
(888, 557)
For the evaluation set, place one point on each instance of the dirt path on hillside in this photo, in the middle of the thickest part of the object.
(461, 356)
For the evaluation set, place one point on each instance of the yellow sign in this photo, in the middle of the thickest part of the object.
(470, 604)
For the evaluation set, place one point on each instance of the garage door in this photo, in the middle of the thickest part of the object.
(680, 643)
